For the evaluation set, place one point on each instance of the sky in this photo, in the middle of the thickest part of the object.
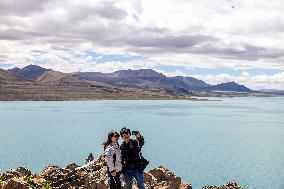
(213, 40)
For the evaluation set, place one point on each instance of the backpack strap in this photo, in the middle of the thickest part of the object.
(114, 157)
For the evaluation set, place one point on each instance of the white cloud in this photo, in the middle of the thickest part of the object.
(188, 33)
(275, 81)
(174, 73)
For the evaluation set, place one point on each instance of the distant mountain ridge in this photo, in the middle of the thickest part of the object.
(142, 78)
(58, 78)
(142, 73)
(30, 71)
(6, 76)
(34, 82)
(230, 86)
(46, 76)
(147, 78)
(272, 91)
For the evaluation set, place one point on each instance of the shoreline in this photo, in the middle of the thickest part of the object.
(193, 98)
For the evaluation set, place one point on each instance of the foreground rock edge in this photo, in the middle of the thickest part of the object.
(92, 176)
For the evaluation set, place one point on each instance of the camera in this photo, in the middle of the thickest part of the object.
(135, 132)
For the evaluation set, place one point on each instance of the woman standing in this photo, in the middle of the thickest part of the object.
(113, 159)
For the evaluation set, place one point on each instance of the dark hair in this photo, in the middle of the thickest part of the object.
(109, 136)
(124, 130)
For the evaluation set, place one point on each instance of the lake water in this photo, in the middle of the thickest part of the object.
(206, 143)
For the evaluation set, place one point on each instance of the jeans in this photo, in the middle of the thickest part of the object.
(138, 175)
(115, 181)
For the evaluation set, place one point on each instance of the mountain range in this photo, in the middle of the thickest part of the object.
(147, 78)
(142, 83)
(143, 78)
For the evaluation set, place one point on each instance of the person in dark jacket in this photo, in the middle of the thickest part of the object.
(131, 157)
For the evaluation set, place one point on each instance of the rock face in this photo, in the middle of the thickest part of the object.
(163, 178)
(15, 183)
(21, 178)
(92, 176)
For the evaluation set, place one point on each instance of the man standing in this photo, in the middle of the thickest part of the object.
(131, 158)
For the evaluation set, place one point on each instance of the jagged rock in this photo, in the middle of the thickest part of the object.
(167, 180)
(150, 180)
(90, 158)
(163, 174)
(37, 181)
(72, 166)
(49, 169)
(185, 186)
(229, 185)
(92, 176)
(15, 183)
(6, 176)
(2, 184)
(58, 177)
(23, 171)
(98, 178)
(10, 174)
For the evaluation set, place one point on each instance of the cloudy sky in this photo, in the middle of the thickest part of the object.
(213, 40)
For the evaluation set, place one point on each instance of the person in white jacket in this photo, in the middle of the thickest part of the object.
(112, 154)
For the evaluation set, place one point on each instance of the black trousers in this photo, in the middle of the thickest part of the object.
(115, 182)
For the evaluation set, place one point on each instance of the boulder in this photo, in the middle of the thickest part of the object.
(23, 171)
(60, 178)
(90, 158)
(150, 180)
(165, 179)
(37, 181)
(15, 183)
(185, 186)
(10, 174)
(72, 166)
(2, 184)
(49, 169)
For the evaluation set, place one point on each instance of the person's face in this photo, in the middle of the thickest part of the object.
(126, 136)
(114, 138)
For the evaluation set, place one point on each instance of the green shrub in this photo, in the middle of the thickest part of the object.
(28, 179)
(2, 178)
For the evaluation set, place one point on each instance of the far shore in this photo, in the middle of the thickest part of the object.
(191, 98)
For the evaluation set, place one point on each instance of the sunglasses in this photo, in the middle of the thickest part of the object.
(116, 136)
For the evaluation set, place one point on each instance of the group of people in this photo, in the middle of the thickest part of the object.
(126, 159)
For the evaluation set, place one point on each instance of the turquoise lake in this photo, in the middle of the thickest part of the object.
(204, 142)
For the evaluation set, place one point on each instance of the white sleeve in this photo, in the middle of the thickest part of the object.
(109, 152)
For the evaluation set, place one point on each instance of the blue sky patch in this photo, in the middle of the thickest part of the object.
(3, 65)
(100, 58)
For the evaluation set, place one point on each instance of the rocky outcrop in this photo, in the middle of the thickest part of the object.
(91, 176)
(21, 178)
(229, 185)
(90, 158)
(163, 178)
(15, 183)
